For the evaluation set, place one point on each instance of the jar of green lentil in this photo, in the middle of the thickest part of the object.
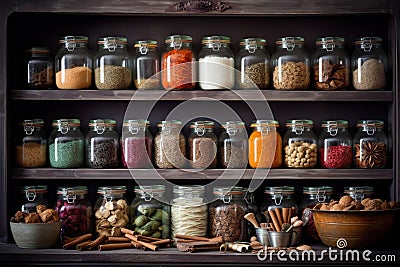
(113, 64)
(66, 144)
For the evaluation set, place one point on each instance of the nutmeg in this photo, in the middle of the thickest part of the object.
(325, 207)
(373, 205)
(337, 207)
(32, 217)
(40, 208)
(346, 200)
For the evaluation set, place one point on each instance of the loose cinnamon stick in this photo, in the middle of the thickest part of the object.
(162, 242)
(98, 241)
(192, 237)
(118, 239)
(148, 238)
(275, 220)
(279, 216)
(127, 231)
(115, 246)
(77, 241)
(82, 246)
(136, 244)
(148, 245)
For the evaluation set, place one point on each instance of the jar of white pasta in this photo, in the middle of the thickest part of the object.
(189, 211)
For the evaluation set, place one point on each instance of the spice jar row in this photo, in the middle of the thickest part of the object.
(290, 67)
(300, 147)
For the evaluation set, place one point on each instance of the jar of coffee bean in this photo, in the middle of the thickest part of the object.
(233, 145)
(203, 145)
(300, 144)
(102, 144)
(32, 196)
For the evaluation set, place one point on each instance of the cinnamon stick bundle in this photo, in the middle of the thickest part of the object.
(76, 241)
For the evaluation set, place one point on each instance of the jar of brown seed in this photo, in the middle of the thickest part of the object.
(202, 144)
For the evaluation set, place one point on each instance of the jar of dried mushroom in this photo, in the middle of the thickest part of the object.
(66, 144)
(178, 69)
(233, 145)
(335, 148)
(369, 64)
(226, 214)
(291, 64)
(136, 144)
(202, 143)
(112, 64)
(358, 193)
(265, 145)
(73, 63)
(74, 210)
(32, 196)
(189, 212)
(31, 144)
(280, 199)
(253, 64)
(216, 63)
(331, 64)
(146, 65)
(150, 211)
(370, 144)
(169, 145)
(300, 144)
(102, 144)
(40, 68)
(111, 210)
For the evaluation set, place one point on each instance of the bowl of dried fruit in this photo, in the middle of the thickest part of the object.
(355, 225)
(35, 230)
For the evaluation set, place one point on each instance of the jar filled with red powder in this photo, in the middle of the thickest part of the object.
(335, 145)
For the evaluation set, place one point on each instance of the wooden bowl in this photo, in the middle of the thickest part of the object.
(354, 229)
(36, 235)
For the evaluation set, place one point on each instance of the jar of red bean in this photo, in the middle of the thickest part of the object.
(335, 149)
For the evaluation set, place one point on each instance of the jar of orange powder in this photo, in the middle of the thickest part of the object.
(265, 145)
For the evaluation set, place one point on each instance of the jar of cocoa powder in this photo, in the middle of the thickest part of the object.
(233, 145)
(370, 144)
(203, 144)
(32, 196)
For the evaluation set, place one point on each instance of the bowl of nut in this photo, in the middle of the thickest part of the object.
(355, 224)
(36, 230)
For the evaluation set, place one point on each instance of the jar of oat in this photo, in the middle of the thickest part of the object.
(233, 145)
(300, 143)
(216, 63)
(146, 65)
(291, 64)
(111, 210)
(370, 144)
(40, 68)
(32, 196)
(253, 64)
(31, 144)
(202, 143)
(169, 145)
(102, 144)
(358, 193)
(226, 214)
(66, 144)
(73, 63)
(369, 64)
(335, 148)
(136, 144)
(280, 199)
(189, 212)
(178, 69)
(112, 64)
(265, 145)
(150, 211)
(331, 64)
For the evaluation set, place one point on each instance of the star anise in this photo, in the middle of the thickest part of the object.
(370, 154)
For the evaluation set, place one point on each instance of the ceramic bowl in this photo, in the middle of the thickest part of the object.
(36, 235)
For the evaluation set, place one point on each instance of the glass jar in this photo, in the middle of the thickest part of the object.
(358, 193)
(75, 211)
(300, 144)
(178, 63)
(146, 65)
(31, 144)
(291, 64)
(331, 64)
(369, 64)
(136, 144)
(111, 210)
(253, 64)
(73, 63)
(66, 144)
(32, 196)
(150, 212)
(226, 214)
(102, 144)
(370, 144)
(203, 145)
(189, 213)
(252, 207)
(113, 64)
(265, 145)
(335, 150)
(167, 143)
(216, 63)
(233, 145)
(40, 68)
(277, 198)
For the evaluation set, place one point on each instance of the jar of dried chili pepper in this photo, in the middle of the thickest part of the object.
(335, 149)
(178, 63)
(370, 144)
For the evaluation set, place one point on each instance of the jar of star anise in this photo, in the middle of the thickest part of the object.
(370, 144)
